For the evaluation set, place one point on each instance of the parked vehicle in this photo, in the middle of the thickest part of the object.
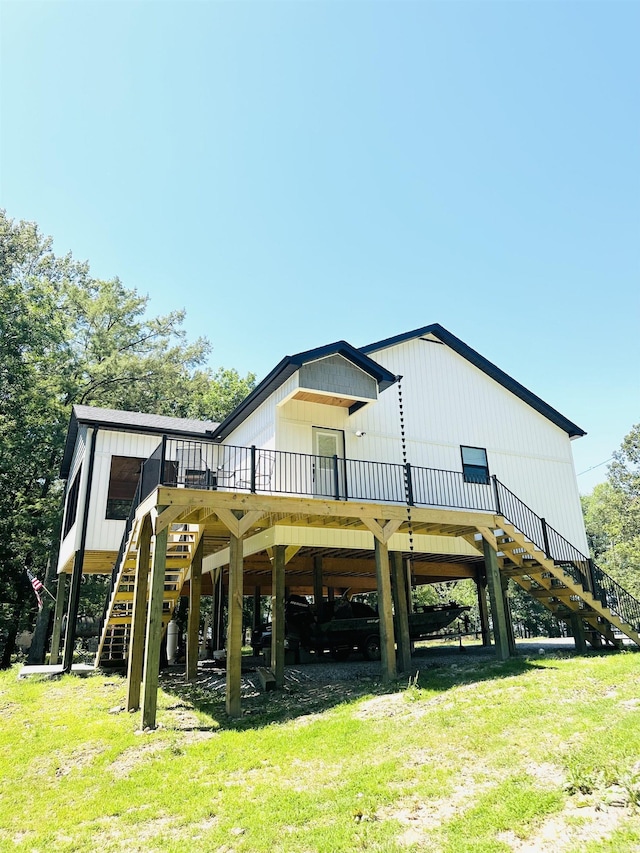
(343, 625)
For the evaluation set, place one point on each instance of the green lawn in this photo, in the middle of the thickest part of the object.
(473, 756)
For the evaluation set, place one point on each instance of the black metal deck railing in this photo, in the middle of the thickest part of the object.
(181, 463)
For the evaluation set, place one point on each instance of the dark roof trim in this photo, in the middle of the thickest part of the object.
(122, 421)
(487, 367)
(288, 366)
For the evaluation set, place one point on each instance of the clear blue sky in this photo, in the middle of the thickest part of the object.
(293, 173)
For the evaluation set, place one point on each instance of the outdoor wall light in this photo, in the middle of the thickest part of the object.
(360, 433)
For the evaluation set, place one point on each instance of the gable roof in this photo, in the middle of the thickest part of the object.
(483, 364)
(288, 366)
(117, 419)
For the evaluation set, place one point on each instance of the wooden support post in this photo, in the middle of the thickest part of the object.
(494, 582)
(216, 593)
(387, 640)
(153, 637)
(483, 610)
(577, 629)
(193, 624)
(72, 612)
(257, 609)
(407, 568)
(507, 610)
(398, 576)
(139, 617)
(54, 655)
(330, 593)
(317, 584)
(277, 616)
(234, 626)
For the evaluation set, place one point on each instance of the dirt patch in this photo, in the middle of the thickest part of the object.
(132, 758)
(576, 826)
(550, 775)
(78, 759)
(421, 818)
(382, 707)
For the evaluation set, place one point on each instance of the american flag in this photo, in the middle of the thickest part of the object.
(37, 587)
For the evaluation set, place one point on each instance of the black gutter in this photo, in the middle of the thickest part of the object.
(76, 576)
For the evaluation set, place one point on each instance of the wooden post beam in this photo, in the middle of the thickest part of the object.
(577, 629)
(234, 627)
(257, 614)
(139, 616)
(500, 630)
(317, 584)
(483, 610)
(54, 655)
(72, 612)
(398, 576)
(193, 624)
(407, 565)
(238, 525)
(507, 609)
(383, 530)
(277, 616)
(154, 631)
(387, 640)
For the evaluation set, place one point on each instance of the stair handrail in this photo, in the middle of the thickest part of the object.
(573, 562)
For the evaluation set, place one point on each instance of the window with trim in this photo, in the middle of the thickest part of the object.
(125, 472)
(475, 467)
(72, 504)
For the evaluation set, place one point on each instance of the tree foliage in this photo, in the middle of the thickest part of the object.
(612, 516)
(67, 338)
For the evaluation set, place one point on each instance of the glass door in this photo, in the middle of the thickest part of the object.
(328, 471)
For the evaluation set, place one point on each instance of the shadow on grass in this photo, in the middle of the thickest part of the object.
(315, 688)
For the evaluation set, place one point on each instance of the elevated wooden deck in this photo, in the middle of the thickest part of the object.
(179, 533)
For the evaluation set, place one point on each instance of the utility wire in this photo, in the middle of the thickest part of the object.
(593, 467)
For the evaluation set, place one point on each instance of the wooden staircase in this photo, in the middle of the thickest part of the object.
(114, 640)
(560, 586)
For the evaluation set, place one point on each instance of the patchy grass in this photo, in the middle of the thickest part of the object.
(530, 755)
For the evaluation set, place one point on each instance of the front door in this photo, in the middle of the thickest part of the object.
(327, 445)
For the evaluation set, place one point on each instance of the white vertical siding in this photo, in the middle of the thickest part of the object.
(448, 403)
(105, 534)
(260, 427)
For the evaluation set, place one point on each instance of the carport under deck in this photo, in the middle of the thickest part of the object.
(177, 533)
(211, 527)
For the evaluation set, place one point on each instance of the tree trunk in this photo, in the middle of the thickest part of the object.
(41, 631)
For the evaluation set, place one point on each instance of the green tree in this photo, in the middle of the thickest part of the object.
(67, 338)
(612, 516)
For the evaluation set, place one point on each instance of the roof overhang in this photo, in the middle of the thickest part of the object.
(123, 421)
(291, 364)
(437, 332)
